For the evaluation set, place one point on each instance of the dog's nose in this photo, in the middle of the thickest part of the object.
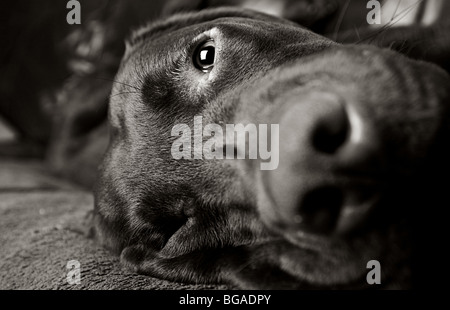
(329, 155)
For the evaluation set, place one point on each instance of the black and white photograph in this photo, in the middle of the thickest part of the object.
(236, 146)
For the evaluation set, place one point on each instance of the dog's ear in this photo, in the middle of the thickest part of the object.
(308, 13)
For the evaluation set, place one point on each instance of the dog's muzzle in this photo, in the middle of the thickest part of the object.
(339, 152)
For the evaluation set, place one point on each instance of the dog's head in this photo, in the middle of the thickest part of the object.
(359, 128)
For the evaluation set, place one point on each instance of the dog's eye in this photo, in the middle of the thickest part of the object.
(204, 56)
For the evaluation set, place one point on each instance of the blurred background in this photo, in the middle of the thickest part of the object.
(55, 79)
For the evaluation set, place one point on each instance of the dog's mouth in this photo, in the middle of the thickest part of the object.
(342, 262)
(341, 234)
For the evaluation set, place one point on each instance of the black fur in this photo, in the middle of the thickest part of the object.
(209, 220)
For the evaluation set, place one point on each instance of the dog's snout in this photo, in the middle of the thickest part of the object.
(330, 128)
(319, 209)
(328, 158)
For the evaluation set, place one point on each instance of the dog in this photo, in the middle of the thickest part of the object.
(361, 142)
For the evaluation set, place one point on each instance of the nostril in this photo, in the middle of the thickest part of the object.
(320, 208)
(331, 131)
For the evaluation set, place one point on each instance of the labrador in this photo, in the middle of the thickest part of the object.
(361, 143)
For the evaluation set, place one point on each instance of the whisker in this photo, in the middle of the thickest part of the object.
(406, 11)
(114, 81)
(396, 9)
(124, 93)
(340, 19)
(357, 32)
(398, 17)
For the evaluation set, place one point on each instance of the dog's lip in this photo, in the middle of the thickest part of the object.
(313, 242)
